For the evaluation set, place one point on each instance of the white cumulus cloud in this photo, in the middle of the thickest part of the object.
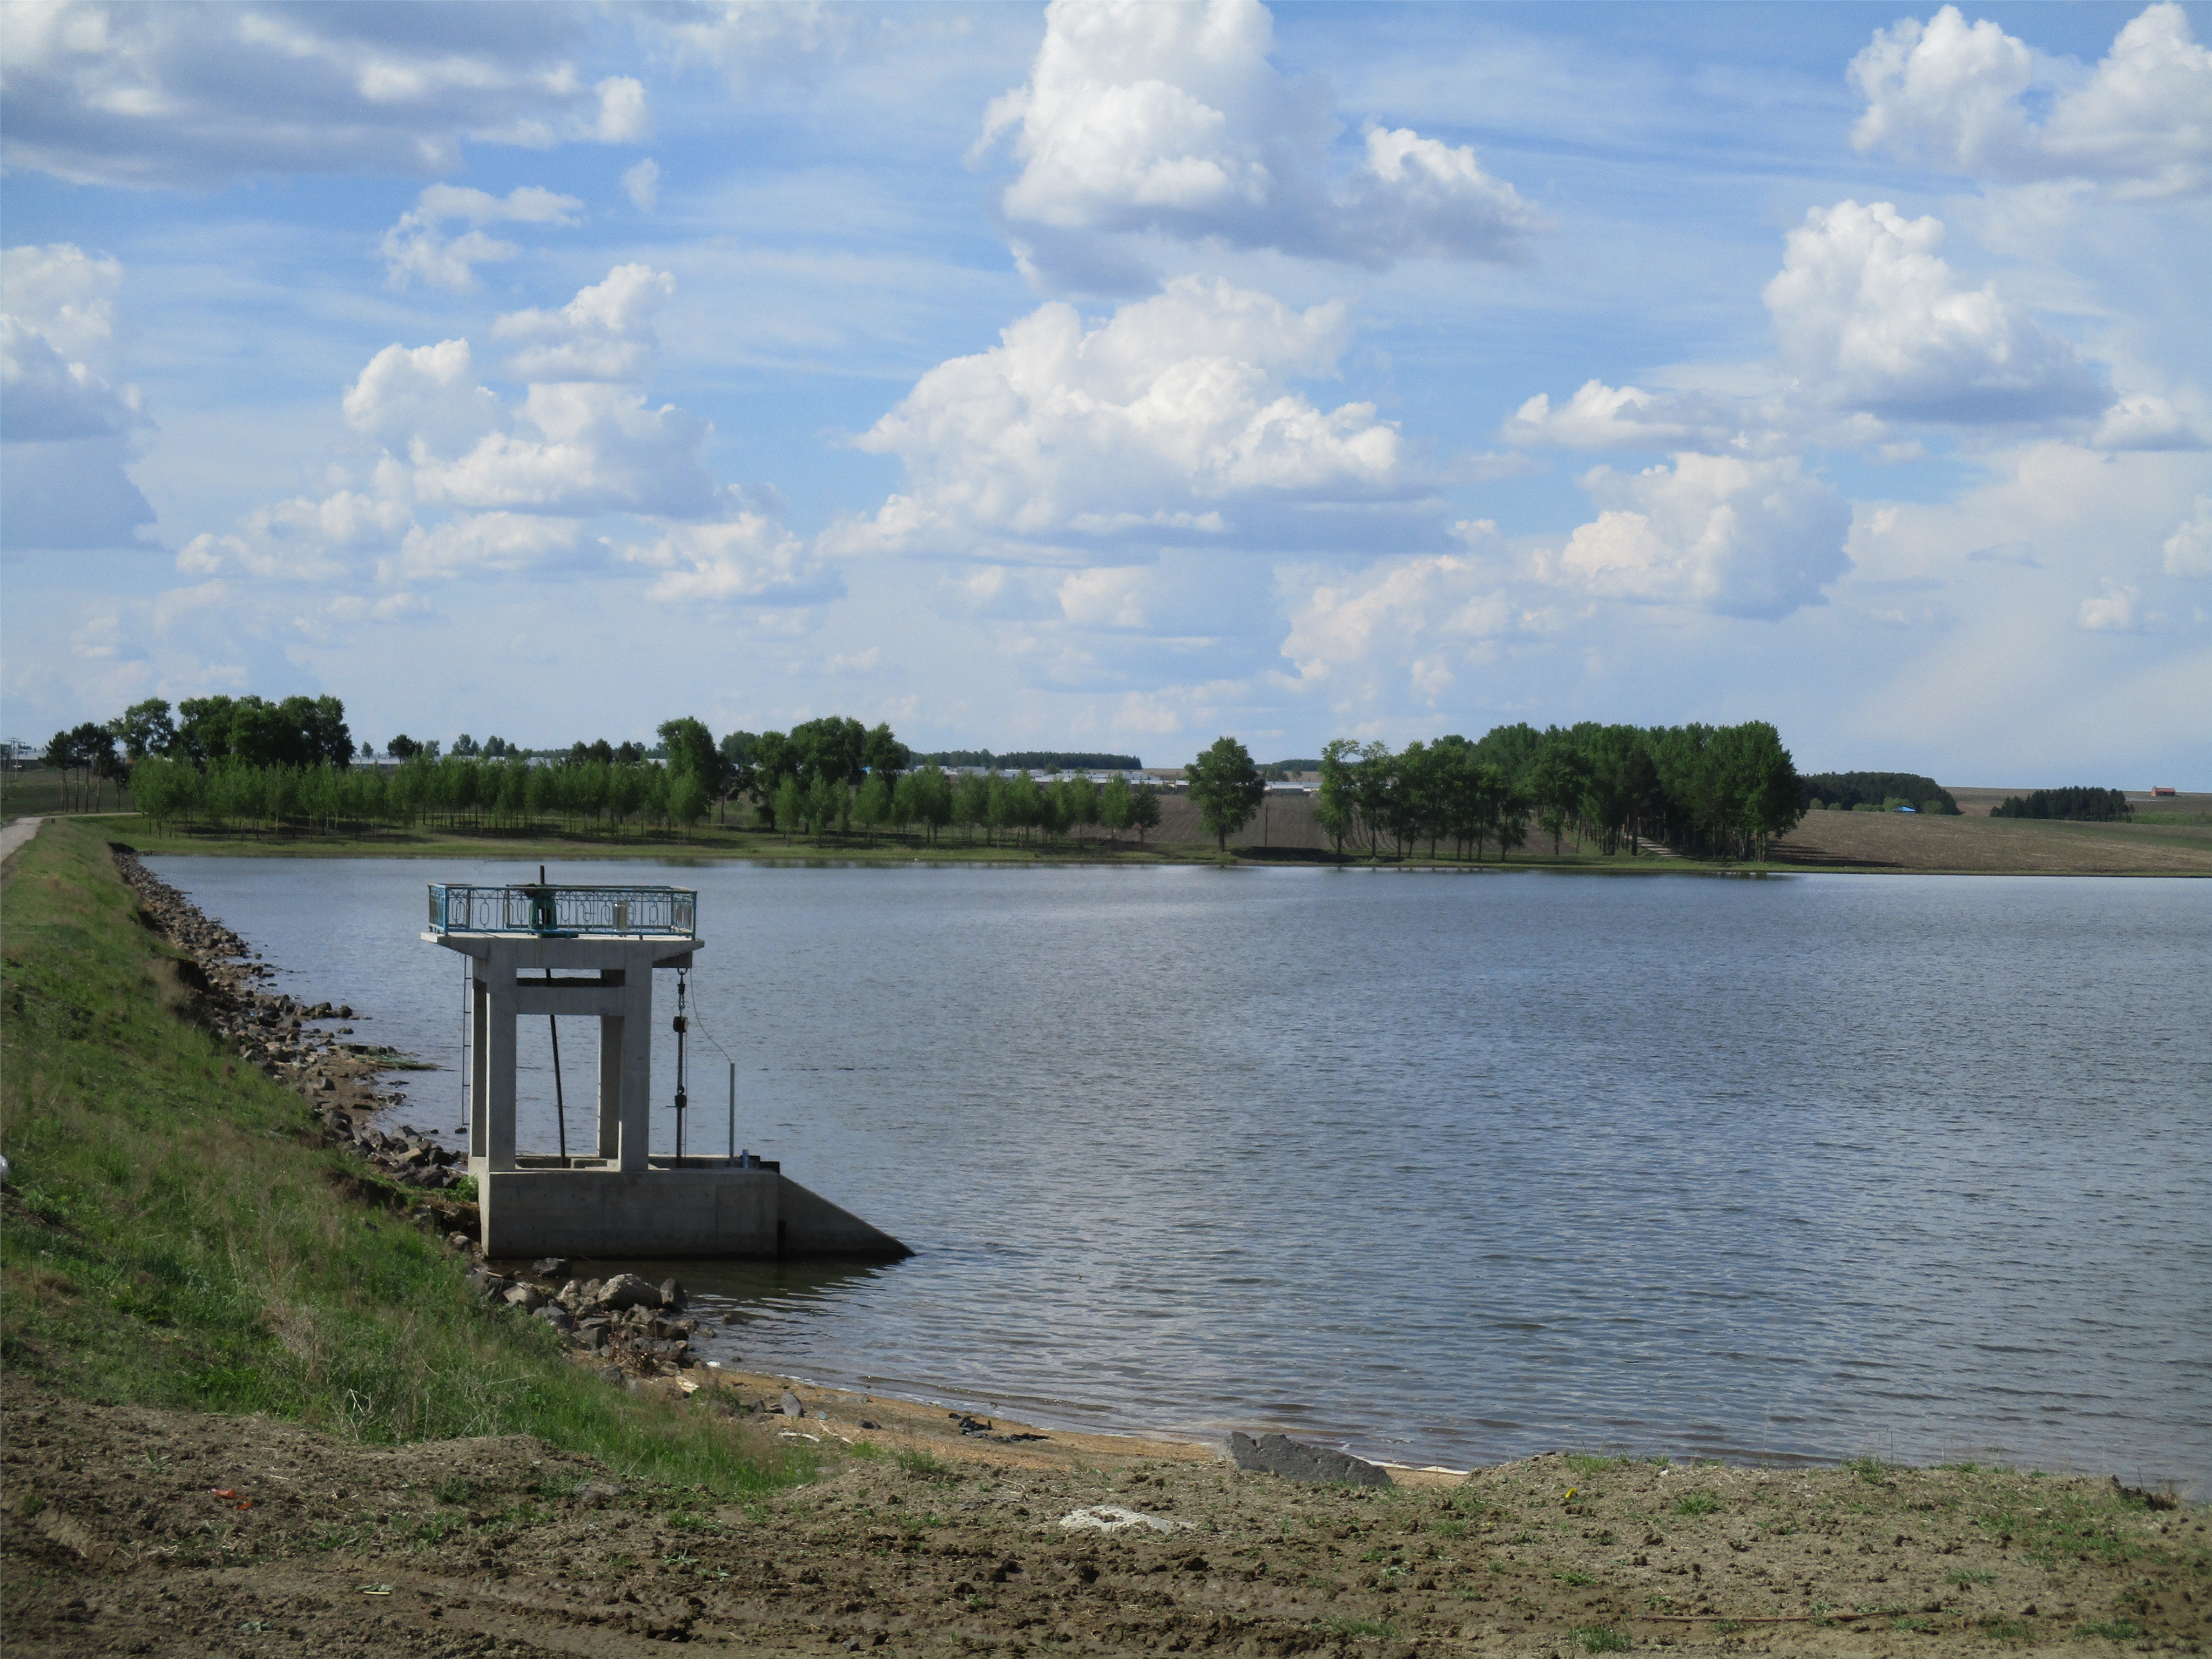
(66, 428)
(576, 448)
(1171, 118)
(749, 558)
(495, 545)
(1416, 621)
(641, 183)
(1168, 423)
(194, 96)
(606, 333)
(305, 540)
(418, 246)
(1601, 417)
(2189, 549)
(2112, 611)
(1869, 316)
(1734, 536)
(1964, 98)
(423, 401)
(2149, 422)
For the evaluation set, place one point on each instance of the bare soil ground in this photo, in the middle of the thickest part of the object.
(1981, 845)
(131, 1530)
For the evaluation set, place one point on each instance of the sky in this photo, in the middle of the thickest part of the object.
(1118, 376)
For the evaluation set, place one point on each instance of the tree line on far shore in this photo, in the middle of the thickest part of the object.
(1724, 790)
(824, 776)
(1875, 791)
(1728, 790)
(2081, 804)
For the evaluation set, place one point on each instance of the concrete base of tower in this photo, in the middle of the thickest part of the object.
(709, 1209)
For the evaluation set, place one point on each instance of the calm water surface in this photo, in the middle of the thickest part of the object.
(1442, 1169)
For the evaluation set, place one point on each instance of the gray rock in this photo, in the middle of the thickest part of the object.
(528, 1298)
(671, 1295)
(1276, 1454)
(627, 1291)
(550, 1267)
(557, 1316)
(488, 1283)
(792, 1407)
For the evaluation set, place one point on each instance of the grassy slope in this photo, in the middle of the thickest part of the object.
(173, 1233)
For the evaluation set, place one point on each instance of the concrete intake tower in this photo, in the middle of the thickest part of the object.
(573, 952)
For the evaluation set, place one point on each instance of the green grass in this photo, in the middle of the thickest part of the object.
(1697, 1502)
(2114, 1630)
(1602, 1638)
(1963, 1577)
(176, 1236)
(1872, 1470)
(925, 1465)
(1593, 1463)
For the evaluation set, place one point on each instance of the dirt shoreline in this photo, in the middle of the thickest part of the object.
(141, 1531)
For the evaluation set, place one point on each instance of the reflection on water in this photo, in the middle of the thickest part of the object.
(1451, 1169)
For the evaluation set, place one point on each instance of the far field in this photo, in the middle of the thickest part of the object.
(2174, 838)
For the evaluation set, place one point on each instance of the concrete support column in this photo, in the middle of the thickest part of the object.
(479, 1086)
(499, 1058)
(635, 1067)
(611, 1027)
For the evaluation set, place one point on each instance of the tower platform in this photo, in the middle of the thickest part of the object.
(572, 952)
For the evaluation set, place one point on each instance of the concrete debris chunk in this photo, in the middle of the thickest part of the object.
(792, 1407)
(1277, 1454)
(1112, 1518)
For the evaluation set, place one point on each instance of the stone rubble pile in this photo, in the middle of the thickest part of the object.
(625, 1320)
(271, 1033)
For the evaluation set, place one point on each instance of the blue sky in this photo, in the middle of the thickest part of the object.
(1118, 376)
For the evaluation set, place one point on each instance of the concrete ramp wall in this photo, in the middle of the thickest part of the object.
(613, 1215)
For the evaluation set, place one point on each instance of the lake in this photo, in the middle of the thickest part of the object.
(1441, 1168)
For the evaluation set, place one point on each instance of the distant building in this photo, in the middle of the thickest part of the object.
(2161, 789)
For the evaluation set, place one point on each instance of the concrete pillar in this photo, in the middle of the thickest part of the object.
(636, 1068)
(499, 1057)
(479, 1086)
(611, 1027)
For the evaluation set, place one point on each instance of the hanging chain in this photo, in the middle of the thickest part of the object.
(683, 1025)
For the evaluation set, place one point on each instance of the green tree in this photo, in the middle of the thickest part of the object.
(773, 760)
(1114, 806)
(1336, 807)
(788, 811)
(687, 799)
(691, 749)
(881, 752)
(1226, 788)
(934, 798)
(1144, 810)
(872, 807)
(825, 803)
(974, 809)
(145, 728)
(1020, 805)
